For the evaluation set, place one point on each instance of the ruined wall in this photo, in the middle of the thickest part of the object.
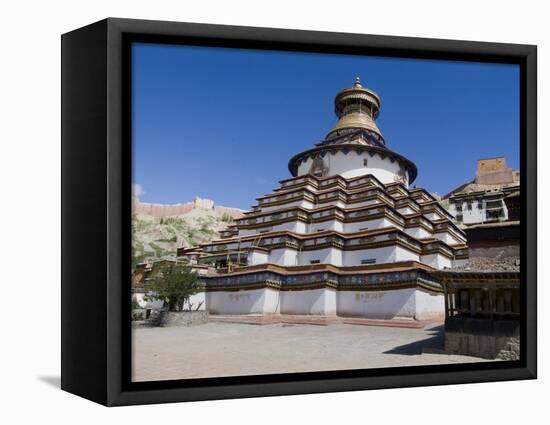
(166, 210)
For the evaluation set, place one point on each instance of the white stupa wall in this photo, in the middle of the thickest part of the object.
(336, 225)
(298, 203)
(352, 165)
(429, 306)
(255, 301)
(339, 257)
(377, 304)
(418, 232)
(437, 261)
(369, 225)
(325, 256)
(448, 238)
(407, 303)
(316, 301)
(258, 257)
(284, 257)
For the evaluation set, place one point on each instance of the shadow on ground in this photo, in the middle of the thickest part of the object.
(435, 341)
(54, 381)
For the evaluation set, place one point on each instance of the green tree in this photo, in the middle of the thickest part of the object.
(175, 284)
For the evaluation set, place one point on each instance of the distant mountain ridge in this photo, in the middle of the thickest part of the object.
(158, 230)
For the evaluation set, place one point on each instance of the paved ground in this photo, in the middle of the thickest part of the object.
(230, 349)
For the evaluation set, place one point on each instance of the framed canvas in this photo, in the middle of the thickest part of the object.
(391, 241)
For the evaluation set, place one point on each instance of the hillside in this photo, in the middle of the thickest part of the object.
(157, 237)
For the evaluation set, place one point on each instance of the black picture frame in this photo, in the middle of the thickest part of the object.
(96, 211)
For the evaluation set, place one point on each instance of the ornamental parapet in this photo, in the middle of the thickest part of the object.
(338, 194)
(290, 281)
(368, 239)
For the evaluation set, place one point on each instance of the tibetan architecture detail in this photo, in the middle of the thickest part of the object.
(482, 313)
(492, 197)
(345, 235)
(488, 210)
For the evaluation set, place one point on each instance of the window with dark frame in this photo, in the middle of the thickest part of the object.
(369, 261)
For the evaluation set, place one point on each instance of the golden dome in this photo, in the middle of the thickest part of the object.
(356, 107)
(356, 120)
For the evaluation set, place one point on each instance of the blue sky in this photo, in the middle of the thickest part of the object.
(223, 123)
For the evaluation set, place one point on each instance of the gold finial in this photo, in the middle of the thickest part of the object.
(357, 82)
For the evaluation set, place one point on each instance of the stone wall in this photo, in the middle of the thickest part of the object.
(485, 346)
(493, 171)
(491, 339)
(182, 318)
(167, 210)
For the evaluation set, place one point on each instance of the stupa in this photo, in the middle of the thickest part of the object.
(346, 235)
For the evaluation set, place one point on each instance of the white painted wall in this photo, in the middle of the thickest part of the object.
(448, 238)
(336, 225)
(256, 301)
(418, 232)
(437, 261)
(325, 256)
(433, 216)
(315, 301)
(406, 210)
(388, 254)
(351, 165)
(429, 306)
(298, 203)
(284, 257)
(475, 215)
(338, 257)
(293, 226)
(369, 225)
(257, 257)
(402, 254)
(402, 303)
(326, 225)
(377, 304)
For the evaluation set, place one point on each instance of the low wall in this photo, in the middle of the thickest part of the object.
(182, 318)
(492, 339)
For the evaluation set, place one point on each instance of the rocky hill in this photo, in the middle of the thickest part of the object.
(158, 230)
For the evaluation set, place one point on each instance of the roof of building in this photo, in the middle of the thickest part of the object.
(492, 175)
(488, 264)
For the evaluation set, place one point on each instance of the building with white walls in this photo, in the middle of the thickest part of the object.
(345, 235)
(487, 198)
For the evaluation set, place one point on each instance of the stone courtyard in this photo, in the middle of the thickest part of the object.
(231, 349)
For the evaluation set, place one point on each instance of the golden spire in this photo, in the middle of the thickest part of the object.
(356, 107)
